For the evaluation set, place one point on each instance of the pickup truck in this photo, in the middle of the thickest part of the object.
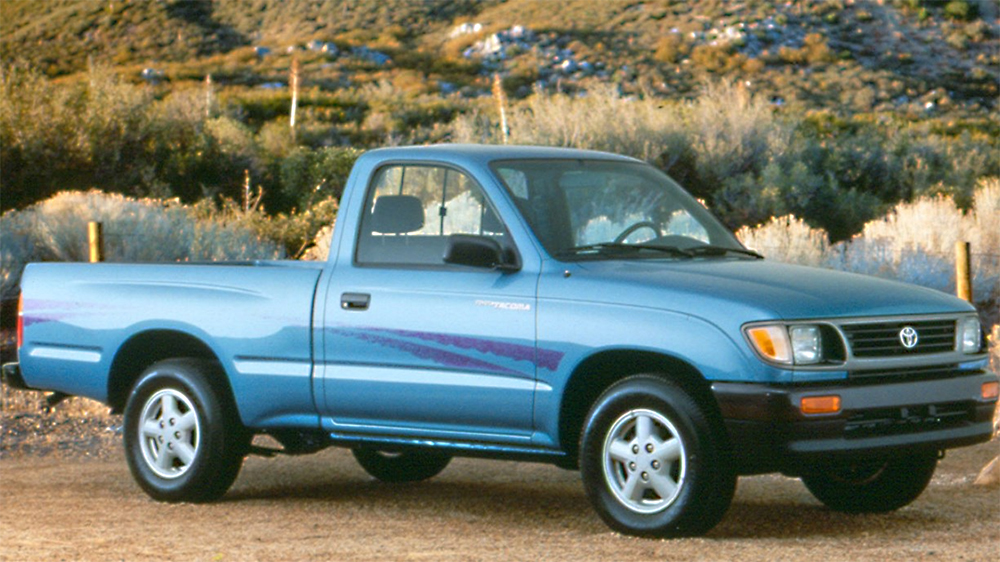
(541, 304)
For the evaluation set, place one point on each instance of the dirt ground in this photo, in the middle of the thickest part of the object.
(66, 494)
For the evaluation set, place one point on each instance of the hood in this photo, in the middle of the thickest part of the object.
(727, 290)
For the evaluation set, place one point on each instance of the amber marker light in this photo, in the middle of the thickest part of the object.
(772, 342)
(991, 390)
(812, 405)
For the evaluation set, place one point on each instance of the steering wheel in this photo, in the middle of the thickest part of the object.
(637, 226)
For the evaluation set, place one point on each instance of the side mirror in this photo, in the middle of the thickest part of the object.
(478, 251)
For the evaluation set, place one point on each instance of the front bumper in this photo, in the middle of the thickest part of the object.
(769, 433)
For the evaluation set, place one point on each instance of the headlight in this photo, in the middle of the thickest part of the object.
(799, 344)
(807, 344)
(970, 336)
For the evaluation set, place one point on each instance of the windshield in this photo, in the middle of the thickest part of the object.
(594, 209)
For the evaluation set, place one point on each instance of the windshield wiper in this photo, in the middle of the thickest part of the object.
(710, 250)
(617, 247)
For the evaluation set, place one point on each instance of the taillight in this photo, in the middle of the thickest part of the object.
(20, 321)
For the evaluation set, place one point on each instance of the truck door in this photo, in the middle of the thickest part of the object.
(413, 346)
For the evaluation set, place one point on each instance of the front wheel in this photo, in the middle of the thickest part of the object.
(407, 466)
(183, 439)
(651, 462)
(875, 486)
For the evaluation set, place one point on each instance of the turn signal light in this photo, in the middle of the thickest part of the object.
(991, 390)
(812, 405)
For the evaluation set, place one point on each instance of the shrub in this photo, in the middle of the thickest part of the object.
(135, 230)
(959, 10)
(58, 136)
(717, 58)
(733, 132)
(787, 239)
(642, 128)
(671, 48)
(308, 176)
(750, 162)
(914, 243)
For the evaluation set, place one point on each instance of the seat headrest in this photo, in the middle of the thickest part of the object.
(397, 214)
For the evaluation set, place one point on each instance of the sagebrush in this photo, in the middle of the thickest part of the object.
(135, 230)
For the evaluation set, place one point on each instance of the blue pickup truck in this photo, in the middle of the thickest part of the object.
(555, 305)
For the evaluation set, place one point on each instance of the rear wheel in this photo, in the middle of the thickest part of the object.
(651, 462)
(406, 466)
(873, 486)
(183, 439)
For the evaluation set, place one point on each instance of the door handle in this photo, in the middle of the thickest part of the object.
(355, 301)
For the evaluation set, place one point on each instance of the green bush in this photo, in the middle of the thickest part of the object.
(959, 10)
(58, 137)
(309, 176)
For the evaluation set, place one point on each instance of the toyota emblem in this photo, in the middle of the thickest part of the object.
(908, 337)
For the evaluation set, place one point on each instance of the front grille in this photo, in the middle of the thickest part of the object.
(906, 374)
(914, 419)
(882, 339)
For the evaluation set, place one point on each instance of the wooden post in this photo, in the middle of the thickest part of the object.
(294, 85)
(95, 235)
(208, 95)
(246, 191)
(501, 98)
(963, 271)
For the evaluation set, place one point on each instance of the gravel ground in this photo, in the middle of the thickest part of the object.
(66, 494)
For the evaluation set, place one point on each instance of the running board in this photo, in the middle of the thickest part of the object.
(455, 448)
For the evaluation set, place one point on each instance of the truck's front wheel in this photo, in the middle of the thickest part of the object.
(872, 486)
(183, 440)
(651, 463)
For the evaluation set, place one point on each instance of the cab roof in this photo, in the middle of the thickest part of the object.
(483, 154)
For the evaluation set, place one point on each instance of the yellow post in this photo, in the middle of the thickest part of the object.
(963, 271)
(95, 235)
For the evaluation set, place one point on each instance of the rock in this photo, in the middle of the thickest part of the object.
(465, 29)
(990, 475)
(371, 55)
(152, 75)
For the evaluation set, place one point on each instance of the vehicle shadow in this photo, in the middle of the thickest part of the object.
(519, 495)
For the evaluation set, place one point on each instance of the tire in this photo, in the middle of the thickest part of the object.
(407, 466)
(873, 486)
(651, 462)
(183, 439)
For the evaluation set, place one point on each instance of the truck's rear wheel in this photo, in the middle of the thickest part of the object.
(183, 439)
(651, 463)
(406, 466)
(872, 486)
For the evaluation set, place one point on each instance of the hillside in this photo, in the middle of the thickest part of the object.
(832, 110)
(854, 56)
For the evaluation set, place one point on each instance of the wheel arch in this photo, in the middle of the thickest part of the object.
(598, 372)
(146, 348)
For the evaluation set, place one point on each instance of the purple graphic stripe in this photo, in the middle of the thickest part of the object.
(42, 318)
(40, 311)
(546, 359)
(439, 356)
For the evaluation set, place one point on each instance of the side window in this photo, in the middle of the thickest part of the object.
(411, 210)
